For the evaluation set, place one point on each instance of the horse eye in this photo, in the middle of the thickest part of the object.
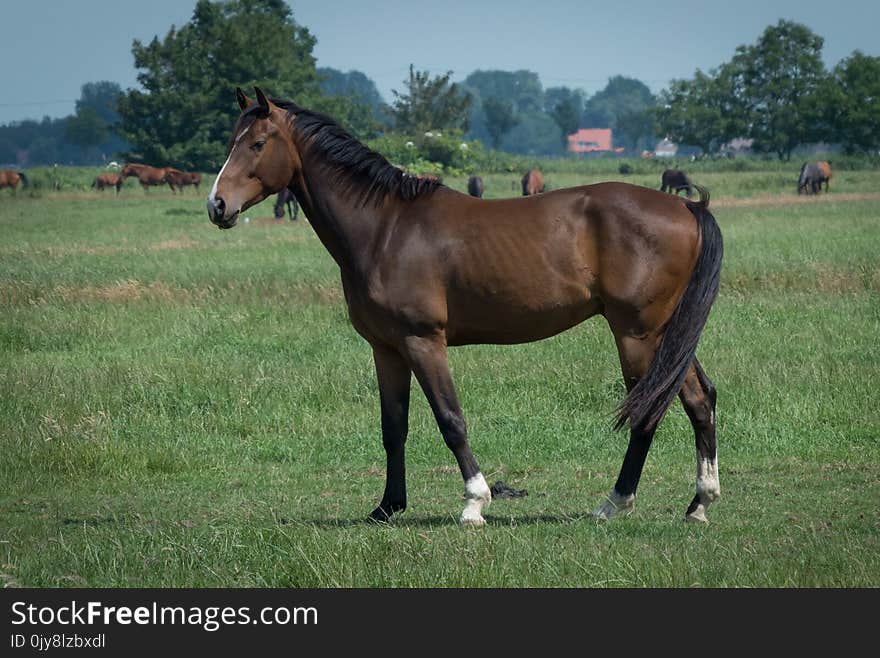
(258, 146)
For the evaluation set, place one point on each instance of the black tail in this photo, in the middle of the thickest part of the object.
(24, 181)
(649, 399)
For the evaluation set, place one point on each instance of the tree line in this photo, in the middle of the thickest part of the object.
(778, 93)
(775, 92)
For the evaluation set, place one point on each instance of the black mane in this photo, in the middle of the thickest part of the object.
(352, 165)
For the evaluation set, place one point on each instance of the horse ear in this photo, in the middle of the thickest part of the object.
(243, 101)
(261, 98)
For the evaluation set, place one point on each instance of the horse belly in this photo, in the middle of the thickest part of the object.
(520, 281)
(505, 316)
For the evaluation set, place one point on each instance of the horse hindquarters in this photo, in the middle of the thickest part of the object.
(658, 364)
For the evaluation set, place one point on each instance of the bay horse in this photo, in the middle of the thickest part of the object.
(10, 178)
(286, 198)
(812, 175)
(425, 268)
(195, 179)
(147, 176)
(674, 181)
(475, 186)
(180, 179)
(107, 180)
(532, 182)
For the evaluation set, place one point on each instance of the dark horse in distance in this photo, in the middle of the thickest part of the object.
(812, 175)
(12, 179)
(532, 182)
(674, 180)
(475, 186)
(286, 198)
(425, 268)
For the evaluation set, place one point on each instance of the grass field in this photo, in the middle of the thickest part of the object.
(183, 406)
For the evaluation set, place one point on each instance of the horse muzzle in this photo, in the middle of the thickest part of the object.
(217, 213)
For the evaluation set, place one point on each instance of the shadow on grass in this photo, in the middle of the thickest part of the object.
(437, 521)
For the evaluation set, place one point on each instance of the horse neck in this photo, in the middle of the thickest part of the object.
(347, 228)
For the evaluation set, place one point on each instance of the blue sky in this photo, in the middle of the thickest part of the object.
(58, 45)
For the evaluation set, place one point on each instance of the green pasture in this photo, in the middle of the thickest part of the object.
(181, 406)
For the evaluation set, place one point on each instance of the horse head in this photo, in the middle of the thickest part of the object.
(261, 160)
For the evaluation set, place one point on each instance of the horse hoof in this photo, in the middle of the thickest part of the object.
(379, 515)
(698, 515)
(470, 520)
(615, 506)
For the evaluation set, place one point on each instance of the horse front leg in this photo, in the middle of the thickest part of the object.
(429, 362)
(394, 376)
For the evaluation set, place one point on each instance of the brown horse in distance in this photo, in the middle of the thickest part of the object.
(12, 179)
(181, 179)
(532, 182)
(108, 180)
(147, 176)
(475, 186)
(425, 268)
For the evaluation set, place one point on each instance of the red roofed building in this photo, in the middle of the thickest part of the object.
(590, 140)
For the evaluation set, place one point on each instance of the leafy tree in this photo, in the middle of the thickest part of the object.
(183, 113)
(854, 103)
(8, 151)
(93, 127)
(780, 81)
(500, 118)
(704, 111)
(102, 98)
(535, 134)
(353, 100)
(430, 103)
(42, 142)
(522, 89)
(564, 106)
(635, 131)
(620, 96)
(354, 85)
(86, 129)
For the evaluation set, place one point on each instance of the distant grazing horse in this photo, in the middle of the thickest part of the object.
(425, 268)
(108, 180)
(532, 182)
(180, 179)
(146, 175)
(286, 198)
(475, 186)
(675, 181)
(11, 179)
(812, 175)
(195, 179)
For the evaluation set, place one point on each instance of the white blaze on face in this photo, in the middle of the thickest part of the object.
(213, 193)
(478, 496)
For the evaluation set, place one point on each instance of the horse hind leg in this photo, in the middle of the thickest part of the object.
(636, 355)
(698, 396)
